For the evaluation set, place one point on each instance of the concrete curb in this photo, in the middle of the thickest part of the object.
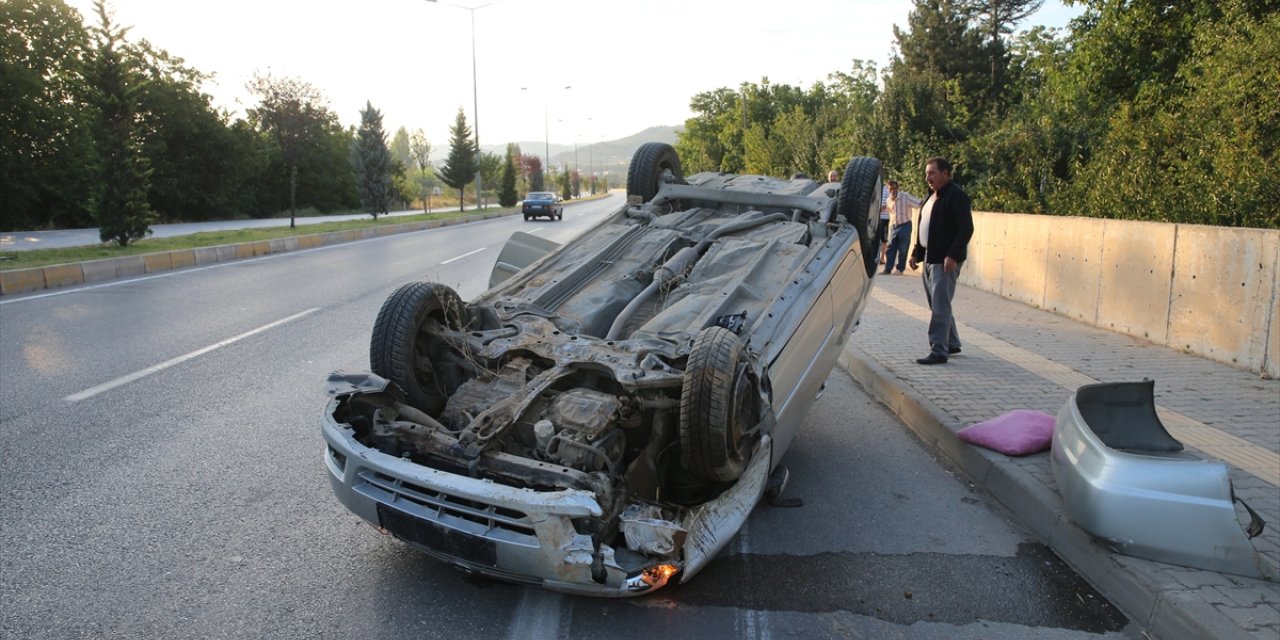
(66, 275)
(1156, 608)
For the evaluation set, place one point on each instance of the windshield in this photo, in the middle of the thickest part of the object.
(540, 195)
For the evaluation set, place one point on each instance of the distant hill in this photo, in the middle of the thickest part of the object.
(609, 155)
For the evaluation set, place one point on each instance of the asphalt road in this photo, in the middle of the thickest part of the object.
(162, 478)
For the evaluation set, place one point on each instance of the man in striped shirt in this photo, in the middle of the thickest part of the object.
(899, 204)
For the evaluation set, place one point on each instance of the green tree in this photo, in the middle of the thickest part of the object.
(372, 162)
(199, 167)
(420, 149)
(402, 147)
(490, 168)
(507, 196)
(46, 125)
(123, 214)
(1175, 114)
(325, 179)
(532, 169)
(462, 164)
(566, 184)
(294, 113)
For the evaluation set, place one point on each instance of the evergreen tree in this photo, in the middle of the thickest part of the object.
(402, 147)
(372, 162)
(461, 165)
(122, 212)
(507, 196)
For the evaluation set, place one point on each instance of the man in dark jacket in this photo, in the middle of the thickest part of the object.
(942, 243)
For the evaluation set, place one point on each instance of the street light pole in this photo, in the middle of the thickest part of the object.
(546, 128)
(475, 107)
(475, 92)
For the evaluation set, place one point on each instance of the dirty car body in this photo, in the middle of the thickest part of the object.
(603, 421)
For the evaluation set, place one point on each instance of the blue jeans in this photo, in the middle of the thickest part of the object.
(896, 256)
(939, 289)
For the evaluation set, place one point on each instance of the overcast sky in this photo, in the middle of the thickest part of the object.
(631, 63)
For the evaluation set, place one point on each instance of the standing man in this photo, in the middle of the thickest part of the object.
(946, 225)
(900, 204)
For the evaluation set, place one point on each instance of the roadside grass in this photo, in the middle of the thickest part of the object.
(10, 260)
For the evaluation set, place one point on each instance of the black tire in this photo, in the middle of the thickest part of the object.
(717, 408)
(860, 205)
(405, 340)
(651, 165)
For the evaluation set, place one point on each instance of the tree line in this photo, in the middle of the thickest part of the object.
(1141, 109)
(102, 130)
(1162, 110)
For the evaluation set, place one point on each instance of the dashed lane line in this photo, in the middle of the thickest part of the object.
(137, 375)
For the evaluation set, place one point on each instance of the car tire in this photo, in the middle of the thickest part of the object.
(717, 407)
(651, 165)
(526, 217)
(405, 340)
(859, 203)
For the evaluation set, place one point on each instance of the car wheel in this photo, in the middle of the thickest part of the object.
(526, 217)
(717, 408)
(860, 204)
(560, 216)
(651, 165)
(406, 342)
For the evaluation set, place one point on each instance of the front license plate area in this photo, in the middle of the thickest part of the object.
(437, 537)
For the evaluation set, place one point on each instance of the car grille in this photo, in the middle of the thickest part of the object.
(438, 505)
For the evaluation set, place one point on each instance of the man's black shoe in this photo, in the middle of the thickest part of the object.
(951, 351)
(932, 359)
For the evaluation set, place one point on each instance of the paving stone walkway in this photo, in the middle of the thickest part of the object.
(1020, 357)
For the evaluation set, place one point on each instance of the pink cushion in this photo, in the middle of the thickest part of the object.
(1016, 433)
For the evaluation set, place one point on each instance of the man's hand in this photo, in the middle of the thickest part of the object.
(949, 265)
(912, 263)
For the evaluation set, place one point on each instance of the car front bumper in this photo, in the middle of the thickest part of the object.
(513, 534)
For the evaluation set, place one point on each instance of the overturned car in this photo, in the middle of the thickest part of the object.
(603, 420)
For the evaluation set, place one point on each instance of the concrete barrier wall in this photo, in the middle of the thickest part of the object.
(1211, 291)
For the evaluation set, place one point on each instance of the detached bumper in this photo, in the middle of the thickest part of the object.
(518, 535)
(1124, 480)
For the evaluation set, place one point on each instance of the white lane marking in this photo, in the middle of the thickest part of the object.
(469, 253)
(107, 386)
(754, 624)
(537, 617)
(538, 230)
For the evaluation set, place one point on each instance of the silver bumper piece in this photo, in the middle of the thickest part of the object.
(1125, 480)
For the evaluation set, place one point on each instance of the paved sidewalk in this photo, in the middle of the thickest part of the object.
(1019, 357)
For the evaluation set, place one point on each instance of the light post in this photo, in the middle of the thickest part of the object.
(475, 95)
(546, 129)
